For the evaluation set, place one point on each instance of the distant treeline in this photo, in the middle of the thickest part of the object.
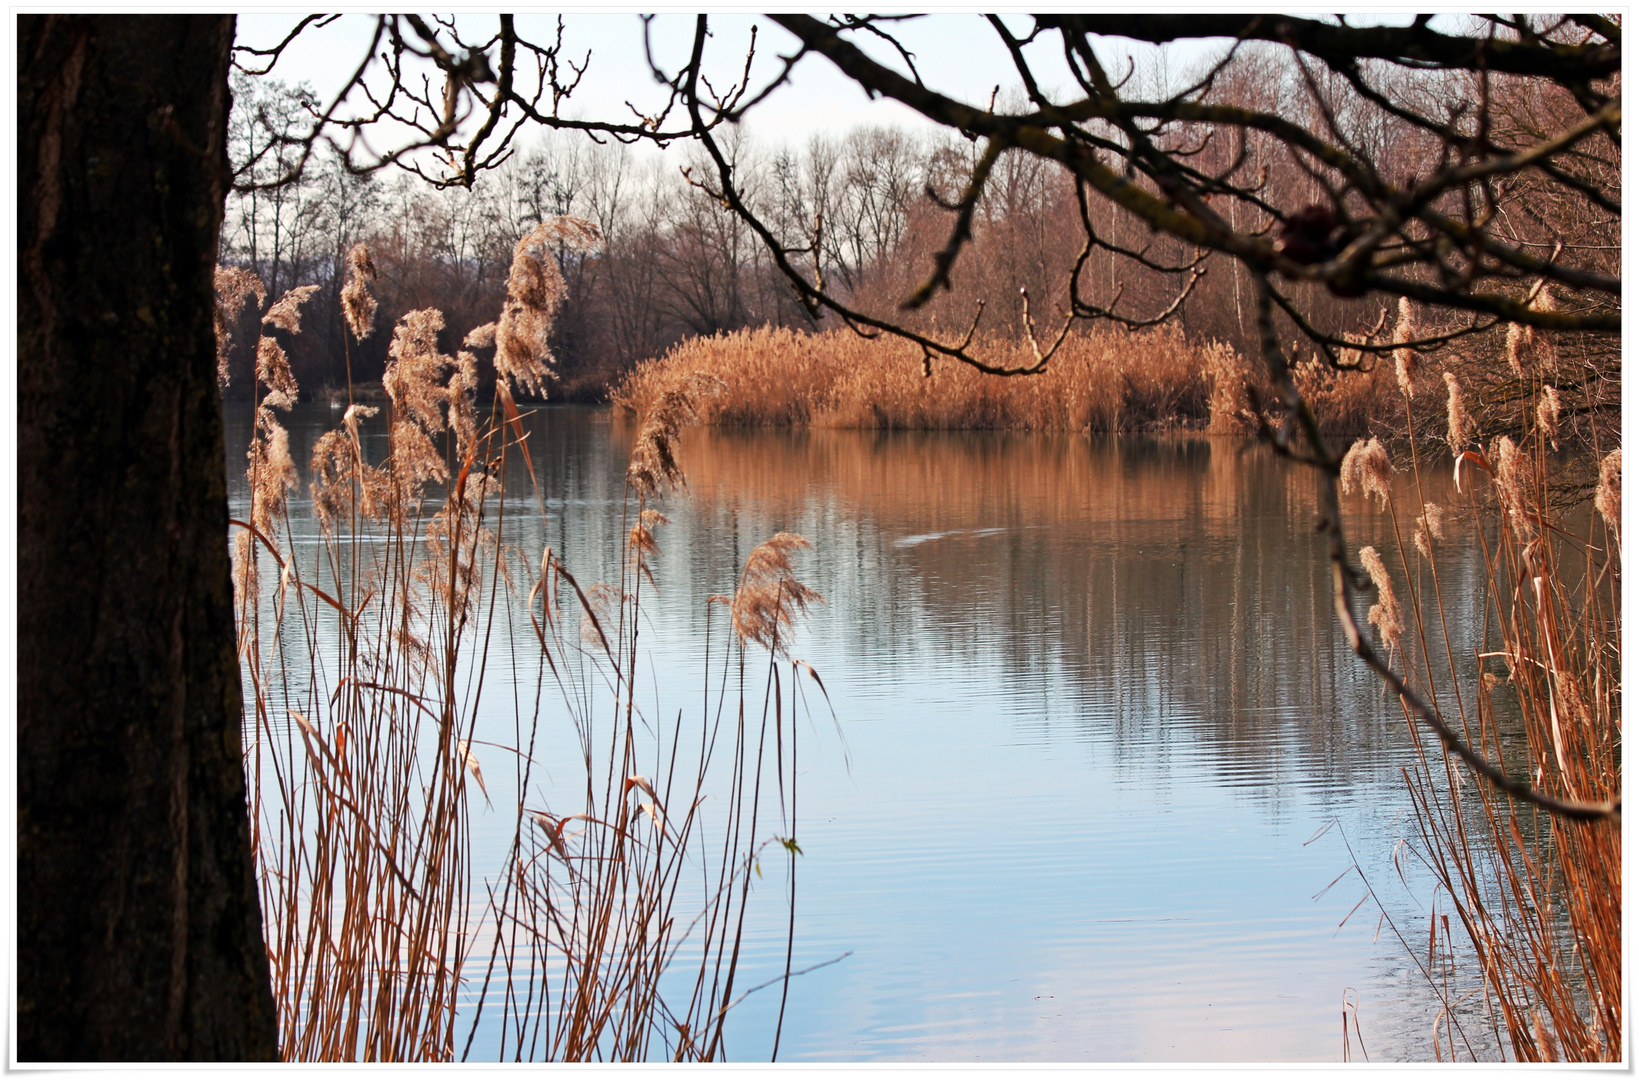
(676, 265)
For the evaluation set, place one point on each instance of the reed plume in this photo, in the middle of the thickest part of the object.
(416, 459)
(1385, 614)
(233, 287)
(1548, 415)
(1512, 468)
(535, 290)
(342, 482)
(1459, 425)
(332, 466)
(272, 473)
(770, 597)
(597, 610)
(414, 379)
(463, 409)
(1366, 468)
(1607, 497)
(1548, 355)
(641, 543)
(286, 312)
(653, 463)
(357, 303)
(1405, 359)
(273, 371)
(1512, 345)
(1430, 527)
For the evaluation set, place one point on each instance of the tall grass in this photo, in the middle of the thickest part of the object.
(1102, 380)
(374, 655)
(1536, 895)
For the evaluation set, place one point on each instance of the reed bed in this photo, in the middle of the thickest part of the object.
(1533, 965)
(612, 927)
(1101, 380)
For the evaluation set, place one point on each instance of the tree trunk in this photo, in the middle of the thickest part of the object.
(138, 930)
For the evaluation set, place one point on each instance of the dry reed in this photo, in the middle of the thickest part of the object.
(357, 303)
(364, 667)
(1459, 425)
(1608, 496)
(286, 313)
(1366, 468)
(234, 286)
(1102, 381)
(535, 290)
(770, 598)
(1385, 614)
(1406, 362)
(1537, 896)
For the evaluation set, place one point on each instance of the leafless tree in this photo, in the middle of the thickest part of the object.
(1434, 162)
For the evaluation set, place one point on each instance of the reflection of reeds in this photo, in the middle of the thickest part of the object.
(364, 670)
(1103, 380)
(946, 480)
(1537, 895)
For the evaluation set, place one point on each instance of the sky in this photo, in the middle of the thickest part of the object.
(955, 54)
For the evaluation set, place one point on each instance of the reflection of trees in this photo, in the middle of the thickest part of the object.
(1166, 595)
(1175, 584)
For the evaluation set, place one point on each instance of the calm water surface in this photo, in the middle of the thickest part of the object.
(1091, 706)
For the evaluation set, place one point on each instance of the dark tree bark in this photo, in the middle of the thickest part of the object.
(138, 928)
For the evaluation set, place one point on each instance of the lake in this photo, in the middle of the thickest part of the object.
(1090, 705)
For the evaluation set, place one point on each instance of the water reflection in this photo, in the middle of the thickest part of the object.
(1091, 706)
(1174, 585)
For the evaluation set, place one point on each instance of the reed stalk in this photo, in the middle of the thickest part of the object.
(1535, 895)
(373, 657)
